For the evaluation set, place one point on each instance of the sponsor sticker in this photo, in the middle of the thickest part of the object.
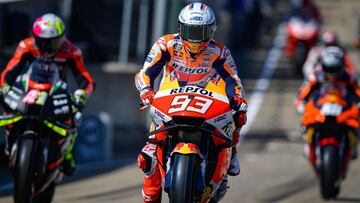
(177, 46)
(192, 90)
(148, 59)
(220, 118)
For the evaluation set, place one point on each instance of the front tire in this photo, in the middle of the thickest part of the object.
(23, 170)
(329, 172)
(183, 181)
(46, 196)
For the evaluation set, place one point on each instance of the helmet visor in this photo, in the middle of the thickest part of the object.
(49, 45)
(195, 33)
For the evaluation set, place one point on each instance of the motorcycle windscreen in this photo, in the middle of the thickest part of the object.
(211, 81)
(43, 72)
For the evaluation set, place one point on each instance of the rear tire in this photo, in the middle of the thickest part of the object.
(329, 173)
(183, 181)
(23, 170)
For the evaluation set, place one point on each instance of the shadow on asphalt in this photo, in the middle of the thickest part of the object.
(113, 194)
(84, 171)
(347, 199)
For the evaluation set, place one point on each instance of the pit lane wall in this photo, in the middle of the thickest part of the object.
(112, 124)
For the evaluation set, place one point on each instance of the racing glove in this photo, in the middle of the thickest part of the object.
(80, 97)
(300, 106)
(240, 119)
(238, 103)
(4, 89)
(147, 96)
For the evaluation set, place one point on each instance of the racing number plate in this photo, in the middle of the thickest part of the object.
(182, 103)
(331, 109)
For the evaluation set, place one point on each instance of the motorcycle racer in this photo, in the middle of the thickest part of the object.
(50, 44)
(312, 65)
(194, 53)
(332, 60)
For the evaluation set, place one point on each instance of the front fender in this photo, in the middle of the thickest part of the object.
(186, 148)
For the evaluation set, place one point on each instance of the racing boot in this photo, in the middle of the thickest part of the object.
(147, 162)
(68, 165)
(354, 153)
(354, 143)
(234, 168)
(7, 141)
(220, 192)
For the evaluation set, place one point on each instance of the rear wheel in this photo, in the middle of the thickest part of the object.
(23, 170)
(183, 181)
(329, 172)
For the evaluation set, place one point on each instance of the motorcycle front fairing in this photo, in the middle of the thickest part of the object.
(52, 107)
(46, 116)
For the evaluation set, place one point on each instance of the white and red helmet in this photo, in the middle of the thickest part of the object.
(48, 31)
(196, 24)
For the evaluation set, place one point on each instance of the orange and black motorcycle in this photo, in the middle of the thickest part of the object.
(331, 118)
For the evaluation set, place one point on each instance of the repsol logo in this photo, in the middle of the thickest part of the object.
(190, 70)
(192, 90)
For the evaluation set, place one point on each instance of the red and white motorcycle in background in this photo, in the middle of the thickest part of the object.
(302, 35)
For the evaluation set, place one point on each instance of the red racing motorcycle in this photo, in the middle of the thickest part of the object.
(302, 35)
(193, 133)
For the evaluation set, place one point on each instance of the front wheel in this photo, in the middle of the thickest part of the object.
(46, 196)
(183, 181)
(329, 172)
(23, 170)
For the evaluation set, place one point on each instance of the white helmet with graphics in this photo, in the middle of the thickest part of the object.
(196, 25)
(48, 31)
(332, 60)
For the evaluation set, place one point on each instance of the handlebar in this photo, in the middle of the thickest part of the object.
(143, 106)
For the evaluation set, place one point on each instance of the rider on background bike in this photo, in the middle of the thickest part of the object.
(49, 43)
(193, 51)
(312, 65)
(332, 61)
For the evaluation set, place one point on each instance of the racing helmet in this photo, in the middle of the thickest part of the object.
(196, 25)
(332, 60)
(329, 38)
(48, 31)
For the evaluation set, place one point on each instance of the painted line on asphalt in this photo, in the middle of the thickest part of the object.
(262, 84)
